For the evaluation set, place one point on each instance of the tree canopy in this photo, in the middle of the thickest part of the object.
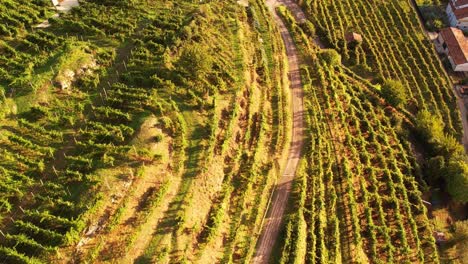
(457, 179)
(395, 93)
(330, 56)
(196, 61)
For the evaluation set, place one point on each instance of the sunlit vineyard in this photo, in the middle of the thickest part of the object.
(358, 192)
(394, 47)
(18, 16)
(359, 199)
(156, 131)
(124, 125)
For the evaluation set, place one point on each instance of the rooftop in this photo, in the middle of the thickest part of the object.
(352, 36)
(456, 43)
(459, 3)
(460, 12)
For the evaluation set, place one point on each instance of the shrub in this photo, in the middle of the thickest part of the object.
(429, 127)
(457, 179)
(435, 168)
(308, 28)
(330, 56)
(395, 93)
(196, 61)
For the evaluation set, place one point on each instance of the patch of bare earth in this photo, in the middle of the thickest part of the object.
(116, 240)
(126, 194)
(147, 230)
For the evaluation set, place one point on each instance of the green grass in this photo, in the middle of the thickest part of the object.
(151, 43)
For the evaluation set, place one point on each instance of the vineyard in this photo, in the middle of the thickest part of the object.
(138, 132)
(156, 131)
(18, 16)
(394, 47)
(357, 196)
(358, 199)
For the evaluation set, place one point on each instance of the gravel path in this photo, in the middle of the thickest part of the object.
(274, 218)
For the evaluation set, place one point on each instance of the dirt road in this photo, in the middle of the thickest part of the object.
(279, 202)
(463, 105)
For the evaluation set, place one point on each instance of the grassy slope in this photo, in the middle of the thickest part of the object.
(217, 126)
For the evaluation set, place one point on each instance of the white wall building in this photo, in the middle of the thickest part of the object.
(457, 12)
(452, 42)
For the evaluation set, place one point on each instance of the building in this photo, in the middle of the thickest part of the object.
(452, 42)
(353, 37)
(457, 12)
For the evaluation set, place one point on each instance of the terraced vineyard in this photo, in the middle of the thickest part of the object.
(358, 199)
(155, 131)
(148, 132)
(18, 16)
(394, 47)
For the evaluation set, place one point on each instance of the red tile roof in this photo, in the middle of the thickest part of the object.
(351, 36)
(460, 13)
(456, 43)
(458, 3)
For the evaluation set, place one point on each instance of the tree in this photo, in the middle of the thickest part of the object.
(308, 28)
(330, 56)
(438, 24)
(457, 179)
(449, 146)
(430, 127)
(195, 61)
(436, 168)
(395, 93)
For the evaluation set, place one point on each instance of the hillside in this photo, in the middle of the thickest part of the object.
(144, 131)
(206, 131)
(358, 194)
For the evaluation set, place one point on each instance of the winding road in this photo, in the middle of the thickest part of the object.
(279, 202)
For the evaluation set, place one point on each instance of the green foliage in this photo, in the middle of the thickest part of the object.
(430, 127)
(435, 169)
(9, 255)
(330, 56)
(395, 93)
(448, 156)
(24, 244)
(457, 179)
(195, 61)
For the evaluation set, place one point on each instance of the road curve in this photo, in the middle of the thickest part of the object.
(279, 202)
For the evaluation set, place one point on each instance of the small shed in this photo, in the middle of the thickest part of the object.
(353, 37)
